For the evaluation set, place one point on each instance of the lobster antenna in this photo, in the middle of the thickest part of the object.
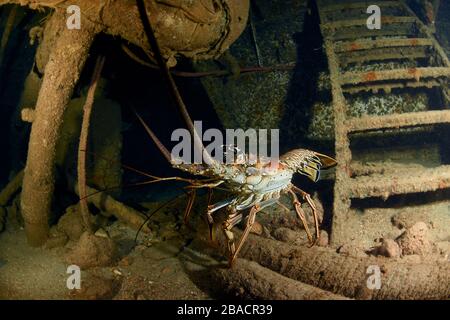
(155, 211)
(170, 81)
(155, 139)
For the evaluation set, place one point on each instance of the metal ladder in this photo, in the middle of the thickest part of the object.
(347, 39)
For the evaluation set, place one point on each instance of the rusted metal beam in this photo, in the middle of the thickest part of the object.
(333, 25)
(426, 31)
(362, 32)
(353, 78)
(400, 181)
(412, 119)
(341, 203)
(346, 46)
(388, 87)
(357, 5)
(382, 54)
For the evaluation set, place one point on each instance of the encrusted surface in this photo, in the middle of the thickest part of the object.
(398, 88)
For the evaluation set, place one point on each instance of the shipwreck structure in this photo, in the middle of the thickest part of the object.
(401, 56)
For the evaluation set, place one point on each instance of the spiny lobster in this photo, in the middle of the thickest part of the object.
(254, 186)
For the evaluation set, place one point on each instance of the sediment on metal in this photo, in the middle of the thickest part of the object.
(363, 32)
(400, 182)
(402, 120)
(388, 87)
(363, 22)
(365, 44)
(396, 74)
(347, 41)
(382, 54)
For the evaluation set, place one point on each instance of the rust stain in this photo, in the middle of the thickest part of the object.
(354, 46)
(386, 19)
(430, 14)
(348, 170)
(370, 76)
(414, 42)
(415, 73)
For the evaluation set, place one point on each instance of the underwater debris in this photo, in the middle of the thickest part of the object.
(58, 83)
(96, 287)
(7, 194)
(92, 251)
(415, 240)
(106, 203)
(71, 223)
(389, 248)
(346, 275)
(249, 280)
(83, 145)
(56, 91)
(213, 27)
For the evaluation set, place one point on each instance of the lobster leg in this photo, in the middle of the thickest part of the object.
(192, 194)
(228, 224)
(191, 198)
(313, 207)
(301, 215)
(213, 208)
(210, 195)
(250, 221)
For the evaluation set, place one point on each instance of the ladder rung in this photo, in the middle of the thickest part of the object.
(400, 181)
(346, 46)
(388, 87)
(393, 121)
(382, 54)
(354, 78)
(363, 32)
(362, 22)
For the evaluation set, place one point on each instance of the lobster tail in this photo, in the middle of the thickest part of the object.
(326, 161)
(311, 169)
(308, 163)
